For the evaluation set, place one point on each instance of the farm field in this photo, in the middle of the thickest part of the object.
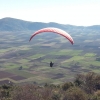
(24, 61)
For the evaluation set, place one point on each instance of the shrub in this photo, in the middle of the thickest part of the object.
(67, 85)
(89, 82)
(75, 93)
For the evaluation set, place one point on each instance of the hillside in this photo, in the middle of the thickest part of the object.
(24, 61)
(12, 24)
(84, 87)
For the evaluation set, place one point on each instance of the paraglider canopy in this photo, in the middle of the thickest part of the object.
(54, 30)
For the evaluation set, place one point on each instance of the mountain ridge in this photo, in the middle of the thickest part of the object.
(13, 24)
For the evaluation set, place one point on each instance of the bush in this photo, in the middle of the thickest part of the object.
(67, 86)
(89, 82)
(75, 93)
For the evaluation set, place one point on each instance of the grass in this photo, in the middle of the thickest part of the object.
(44, 71)
(67, 52)
(10, 65)
(42, 65)
(25, 47)
(96, 71)
(23, 61)
(36, 56)
(95, 63)
(21, 73)
(3, 50)
(90, 55)
(41, 79)
(48, 60)
(74, 58)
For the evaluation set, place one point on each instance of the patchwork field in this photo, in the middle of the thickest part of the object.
(24, 61)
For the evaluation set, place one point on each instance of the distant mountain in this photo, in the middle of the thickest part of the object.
(12, 24)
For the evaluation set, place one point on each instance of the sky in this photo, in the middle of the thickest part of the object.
(73, 12)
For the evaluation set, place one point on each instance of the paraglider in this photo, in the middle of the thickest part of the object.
(54, 30)
(51, 64)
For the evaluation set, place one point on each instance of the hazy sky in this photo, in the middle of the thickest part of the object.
(74, 12)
